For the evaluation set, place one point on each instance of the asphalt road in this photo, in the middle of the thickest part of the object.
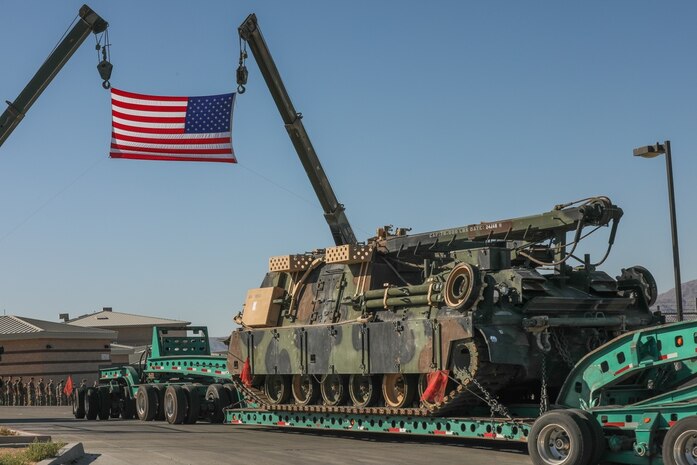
(121, 442)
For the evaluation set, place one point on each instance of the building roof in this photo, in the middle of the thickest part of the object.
(108, 319)
(20, 327)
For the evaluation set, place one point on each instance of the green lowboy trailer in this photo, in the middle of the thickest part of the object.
(633, 400)
(177, 380)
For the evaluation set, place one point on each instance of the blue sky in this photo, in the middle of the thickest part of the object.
(424, 115)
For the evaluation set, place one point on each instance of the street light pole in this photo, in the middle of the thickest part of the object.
(674, 231)
(651, 151)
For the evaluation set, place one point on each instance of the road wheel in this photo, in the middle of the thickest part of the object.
(333, 389)
(146, 402)
(277, 388)
(560, 437)
(193, 402)
(175, 405)
(398, 390)
(305, 389)
(217, 395)
(104, 400)
(680, 443)
(160, 390)
(91, 404)
(79, 403)
(363, 390)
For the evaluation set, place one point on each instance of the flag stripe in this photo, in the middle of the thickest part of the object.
(123, 93)
(140, 124)
(148, 119)
(168, 145)
(140, 107)
(155, 114)
(172, 158)
(178, 141)
(171, 150)
(156, 129)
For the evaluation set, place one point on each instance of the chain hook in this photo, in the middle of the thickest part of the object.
(242, 72)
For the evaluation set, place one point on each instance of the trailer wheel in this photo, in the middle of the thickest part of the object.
(193, 402)
(104, 402)
(680, 443)
(160, 412)
(128, 408)
(559, 437)
(146, 403)
(218, 396)
(233, 394)
(598, 443)
(175, 405)
(91, 404)
(79, 403)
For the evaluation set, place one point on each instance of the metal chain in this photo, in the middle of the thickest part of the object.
(544, 397)
(494, 405)
(563, 348)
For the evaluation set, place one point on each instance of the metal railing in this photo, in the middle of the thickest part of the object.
(689, 312)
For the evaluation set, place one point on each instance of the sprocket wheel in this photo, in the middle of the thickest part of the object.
(645, 280)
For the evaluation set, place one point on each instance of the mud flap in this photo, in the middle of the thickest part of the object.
(506, 344)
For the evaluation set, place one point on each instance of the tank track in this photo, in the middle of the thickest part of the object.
(493, 377)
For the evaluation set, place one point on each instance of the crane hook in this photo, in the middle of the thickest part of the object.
(242, 72)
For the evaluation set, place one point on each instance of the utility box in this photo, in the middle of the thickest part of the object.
(259, 309)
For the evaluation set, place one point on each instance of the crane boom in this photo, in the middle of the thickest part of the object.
(334, 212)
(89, 21)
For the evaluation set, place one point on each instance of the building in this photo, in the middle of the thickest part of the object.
(133, 330)
(50, 350)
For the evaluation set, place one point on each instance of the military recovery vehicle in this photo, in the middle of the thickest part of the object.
(495, 306)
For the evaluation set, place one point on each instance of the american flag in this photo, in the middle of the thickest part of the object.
(149, 127)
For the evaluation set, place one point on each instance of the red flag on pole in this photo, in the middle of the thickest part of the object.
(435, 391)
(246, 375)
(68, 389)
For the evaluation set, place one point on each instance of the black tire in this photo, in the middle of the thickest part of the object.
(233, 395)
(364, 390)
(558, 437)
(598, 443)
(79, 403)
(91, 404)
(160, 390)
(193, 401)
(104, 400)
(146, 402)
(680, 442)
(128, 408)
(218, 396)
(334, 390)
(175, 405)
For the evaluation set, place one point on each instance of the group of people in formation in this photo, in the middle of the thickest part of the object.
(15, 391)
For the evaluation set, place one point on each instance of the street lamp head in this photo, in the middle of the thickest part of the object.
(650, 151)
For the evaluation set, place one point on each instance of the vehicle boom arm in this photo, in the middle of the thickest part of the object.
(333, 211)
(88, 21)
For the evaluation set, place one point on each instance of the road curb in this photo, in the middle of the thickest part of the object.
(69, 453)
(23, 437)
